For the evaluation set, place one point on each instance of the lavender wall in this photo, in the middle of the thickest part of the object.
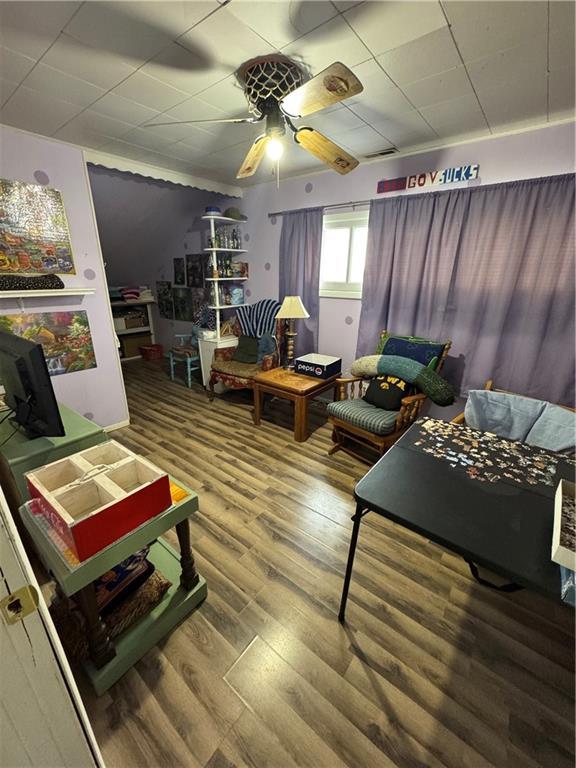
(544, 152)
(97, 393)
(143, 225)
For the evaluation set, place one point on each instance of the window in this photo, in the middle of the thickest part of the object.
(344, 240)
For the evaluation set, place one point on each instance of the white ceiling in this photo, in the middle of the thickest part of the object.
(433, 72)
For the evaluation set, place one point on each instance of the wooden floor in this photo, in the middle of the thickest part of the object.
(431, 670)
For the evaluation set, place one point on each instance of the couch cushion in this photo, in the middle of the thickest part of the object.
(233, 368)
(511, 416)
(364, 415)
(247, 350)
(554, 429)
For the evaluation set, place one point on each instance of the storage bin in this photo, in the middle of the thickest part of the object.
(152, 352)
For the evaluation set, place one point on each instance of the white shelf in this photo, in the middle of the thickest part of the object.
(50, 293)
(220, 279)
(126, 331)
(226, 250)
(135, 302)
(226, 219)
(228, 306)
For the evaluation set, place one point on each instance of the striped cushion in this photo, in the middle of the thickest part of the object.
(257, 319)
(364, 415)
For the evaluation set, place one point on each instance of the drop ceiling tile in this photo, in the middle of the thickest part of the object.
(431, 90)
(529, 102)
(227, 95)
(184, 152)
(199, 139)
(123, 149)
(135, 31)
(333, 41)
(182, 69)
(52, 82)
(223, 40)
(36, 112)
(484, 28)
(511, 64)
(94, 121)
(335, 123)
(90, 64)
(385, 26)
(31, 28)
(230, 158)
(562, 35)
(124, 110)
(229, 135)
(428, 55)
(150, 139)
(345, 5)
(14, 66)
(82, 136)
(195, 109)
(405, 128)
(562, 90)
(282, 21)
(150, 92)
(363, 141)
(459, 115)
(7, 88)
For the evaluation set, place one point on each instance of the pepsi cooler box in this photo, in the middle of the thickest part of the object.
(318, 366)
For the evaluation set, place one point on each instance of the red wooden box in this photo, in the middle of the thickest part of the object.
(96, 496)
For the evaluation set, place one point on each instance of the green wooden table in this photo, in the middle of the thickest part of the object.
(110, 660)
(24, 455)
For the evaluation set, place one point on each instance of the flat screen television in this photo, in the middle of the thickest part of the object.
(28, 391)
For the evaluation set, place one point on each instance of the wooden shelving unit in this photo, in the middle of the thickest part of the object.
(147, 335)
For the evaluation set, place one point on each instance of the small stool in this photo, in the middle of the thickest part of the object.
(188, 355)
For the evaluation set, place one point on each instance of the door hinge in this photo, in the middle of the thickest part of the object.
(19, 604)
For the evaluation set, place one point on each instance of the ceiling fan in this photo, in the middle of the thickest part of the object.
(278, 93)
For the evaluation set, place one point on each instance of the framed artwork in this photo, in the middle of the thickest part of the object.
(165, 299)
(34, 236)
(179, 272)
(196, 264)
(183, 304)
(65, 338)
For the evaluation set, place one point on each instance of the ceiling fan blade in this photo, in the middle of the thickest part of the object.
(333, 84)
(217, 120)
(324, 149)
(253, 158)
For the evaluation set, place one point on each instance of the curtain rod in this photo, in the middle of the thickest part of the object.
(325, 207)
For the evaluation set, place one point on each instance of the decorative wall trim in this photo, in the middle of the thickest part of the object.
(118, 163)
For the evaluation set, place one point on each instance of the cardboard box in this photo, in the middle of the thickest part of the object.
(135, 321)
(564, 530)
(96, 496)
(131, 344)
(119, 323)
(318, 366)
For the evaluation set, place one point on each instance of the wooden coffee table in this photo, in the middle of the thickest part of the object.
(291, 386)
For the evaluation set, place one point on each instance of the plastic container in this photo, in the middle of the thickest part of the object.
(152, 352)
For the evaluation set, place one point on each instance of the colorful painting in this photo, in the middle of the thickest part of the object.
(179, 272)
(65, 338)
(34, 237)
(183, 304)
(196, 265)
(165, 299)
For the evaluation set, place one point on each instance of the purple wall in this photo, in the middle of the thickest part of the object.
(97, 393)
(143, 225)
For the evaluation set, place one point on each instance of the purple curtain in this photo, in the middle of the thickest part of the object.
(300, 249)
(491, 268)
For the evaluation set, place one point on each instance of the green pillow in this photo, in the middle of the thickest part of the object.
(414, 347)
(247, 350)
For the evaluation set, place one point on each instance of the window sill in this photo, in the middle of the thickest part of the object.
(326, 294)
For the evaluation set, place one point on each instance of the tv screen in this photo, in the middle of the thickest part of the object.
(28, 391)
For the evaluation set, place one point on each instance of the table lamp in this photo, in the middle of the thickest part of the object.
(291, 309)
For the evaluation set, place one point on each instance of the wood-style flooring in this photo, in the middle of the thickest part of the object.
(431, 670)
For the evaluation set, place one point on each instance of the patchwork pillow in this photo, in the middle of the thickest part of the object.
(554, 429)
(247, 350)
(506, 415)
(387, 392)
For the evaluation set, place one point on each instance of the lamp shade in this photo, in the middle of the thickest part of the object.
(292, 308)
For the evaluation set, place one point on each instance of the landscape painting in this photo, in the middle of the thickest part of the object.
(165, 299)
(179, 271)
(34, 237)
(183, 304)
(196, 264)
(65, 338)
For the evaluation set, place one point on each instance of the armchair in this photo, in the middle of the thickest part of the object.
(236, 375)
(362, 429)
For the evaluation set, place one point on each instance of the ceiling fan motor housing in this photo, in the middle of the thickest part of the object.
(267, 80)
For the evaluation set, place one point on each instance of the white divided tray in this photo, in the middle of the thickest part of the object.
(96, 496)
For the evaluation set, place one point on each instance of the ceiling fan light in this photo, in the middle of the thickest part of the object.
(275, 149)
